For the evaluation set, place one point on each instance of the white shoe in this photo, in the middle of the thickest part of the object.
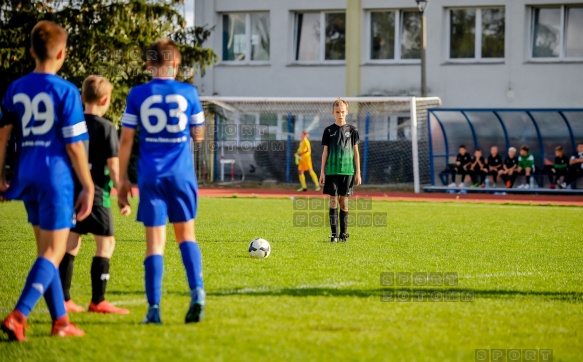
(462, 184)
(521, 186)
(525, 186)
(563, 185)
(453, 184)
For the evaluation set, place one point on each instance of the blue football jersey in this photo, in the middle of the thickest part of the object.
(49, 113)
(164, 110)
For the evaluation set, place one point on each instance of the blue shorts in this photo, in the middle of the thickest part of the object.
(50, 208)
(167, 198)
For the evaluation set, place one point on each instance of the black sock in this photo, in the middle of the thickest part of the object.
(527, 179)
(334, 221)
(66, 274)
(343, 221)
(99, 278)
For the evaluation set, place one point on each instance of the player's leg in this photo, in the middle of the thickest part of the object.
(343, 218)
(104, 246)
(483, 175)
(43, 278)
(302, 180)
(333, 216)
(512, 175)
(192, 260)
(331, 189)
(66, 271)
(465, 176)
(344, 190)
(153, 213)
(52, 245)
(503, 176)
(527, 173)
(315, 179)
(494, 174)
(154, 270)
(313, 175)
(560, 178)
(454, 171)
(182, 206)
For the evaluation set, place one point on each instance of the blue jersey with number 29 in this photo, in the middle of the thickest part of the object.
(50, 116)
(165, 110)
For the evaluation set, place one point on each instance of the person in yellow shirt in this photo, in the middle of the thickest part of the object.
(304, 162)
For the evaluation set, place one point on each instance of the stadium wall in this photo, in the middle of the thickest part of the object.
(516, 80)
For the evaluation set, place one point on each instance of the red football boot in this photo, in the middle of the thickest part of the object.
(14, 326)
(72, 307)
(105, 307)
(63, 327)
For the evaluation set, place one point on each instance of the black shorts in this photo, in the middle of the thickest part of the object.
(338, 185)
(100, 222)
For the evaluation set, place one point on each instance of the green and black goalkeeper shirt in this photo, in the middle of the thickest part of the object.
(103, 144)
(340, 141)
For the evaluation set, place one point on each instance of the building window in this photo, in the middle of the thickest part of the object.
(395, 35)
(246, 37)
(557, 32)
(314, 45)
(476, 33)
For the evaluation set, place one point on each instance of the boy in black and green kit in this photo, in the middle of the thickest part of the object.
(340, 170)
(525, 166)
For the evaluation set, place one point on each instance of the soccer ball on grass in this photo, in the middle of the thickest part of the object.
(259, 248)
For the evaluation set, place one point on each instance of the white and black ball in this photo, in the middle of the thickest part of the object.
(259, 248)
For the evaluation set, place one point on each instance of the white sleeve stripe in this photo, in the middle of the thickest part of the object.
(74, 130)
(130, 119)
(197, 119)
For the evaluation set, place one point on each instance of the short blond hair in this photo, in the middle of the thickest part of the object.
(95, 87)
(339, 102)
(46, 39)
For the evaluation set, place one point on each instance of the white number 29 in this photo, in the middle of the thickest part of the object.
(147, 111)
(33, 113)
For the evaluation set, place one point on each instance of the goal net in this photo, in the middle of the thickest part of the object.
(254, 139)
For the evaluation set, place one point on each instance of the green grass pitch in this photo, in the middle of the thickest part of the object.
(316, 301)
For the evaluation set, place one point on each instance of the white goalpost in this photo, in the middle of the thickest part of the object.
(260, 134)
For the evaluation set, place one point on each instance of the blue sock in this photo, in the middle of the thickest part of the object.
(154, 265)
(55, 298)
(192, 259)
(40, 276)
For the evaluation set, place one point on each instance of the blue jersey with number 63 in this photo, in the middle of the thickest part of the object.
(50, 115)
(164, 110)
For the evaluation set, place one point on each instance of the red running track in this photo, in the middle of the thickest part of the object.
(562, 200)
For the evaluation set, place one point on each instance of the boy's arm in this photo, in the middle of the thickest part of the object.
(357, 178)
(574, 160)
(113, 166)
(125, 151)
(78, 156)
(323, 168)
(197, 133)
(4, 136)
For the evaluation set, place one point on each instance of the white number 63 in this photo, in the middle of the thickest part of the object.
(147, 111)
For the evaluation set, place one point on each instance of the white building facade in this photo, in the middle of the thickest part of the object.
(490, 53)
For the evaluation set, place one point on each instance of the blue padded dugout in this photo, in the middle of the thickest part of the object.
(541, 129)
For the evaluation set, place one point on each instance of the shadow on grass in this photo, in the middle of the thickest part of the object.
(387, 293)
(384, 294)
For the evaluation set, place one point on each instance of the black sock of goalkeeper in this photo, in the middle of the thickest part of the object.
(334, 221)
(343, 221)
(99, 278)
(66, 274)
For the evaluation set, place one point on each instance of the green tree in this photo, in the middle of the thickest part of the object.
(109, 38)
